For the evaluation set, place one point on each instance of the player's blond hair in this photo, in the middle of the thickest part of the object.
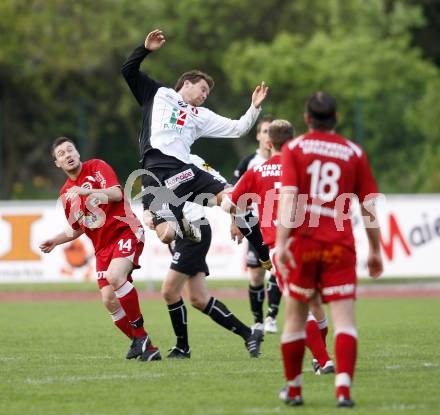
(280, 131)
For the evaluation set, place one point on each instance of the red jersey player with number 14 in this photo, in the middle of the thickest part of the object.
(315, 250)
(94, 205)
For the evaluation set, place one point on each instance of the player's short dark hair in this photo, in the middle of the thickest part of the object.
(262, 120)
(194, 76)
(57, 142)
(280, 131)
(321, 108)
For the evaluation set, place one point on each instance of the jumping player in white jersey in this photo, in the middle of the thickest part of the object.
(172, 119)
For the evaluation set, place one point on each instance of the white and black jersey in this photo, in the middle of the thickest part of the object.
(170, 125)
(246, 163)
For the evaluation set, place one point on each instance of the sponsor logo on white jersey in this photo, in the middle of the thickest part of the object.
(182, 177)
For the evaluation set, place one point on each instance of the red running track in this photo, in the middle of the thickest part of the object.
(368, 291)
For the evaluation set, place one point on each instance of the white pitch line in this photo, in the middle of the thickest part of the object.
(393, 367)
(89, 378)
(402, 407)
(93, 378)
(277, 409)
(429, 364)
(80, 357)
(412, 366)
(11, 358)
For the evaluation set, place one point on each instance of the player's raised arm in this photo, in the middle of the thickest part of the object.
(218, 126)
(260, 94)
(141, 85)
(154, 40)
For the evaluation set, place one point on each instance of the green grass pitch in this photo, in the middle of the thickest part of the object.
(67, 358)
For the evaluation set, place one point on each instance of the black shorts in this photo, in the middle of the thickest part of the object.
(252, 258)
(190, 257)
(166, 190)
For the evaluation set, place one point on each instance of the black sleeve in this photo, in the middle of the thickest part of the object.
(241, 168)
(141, 85)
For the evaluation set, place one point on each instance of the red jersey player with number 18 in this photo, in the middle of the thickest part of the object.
(261, 184)
(94, 205)
(322, 172)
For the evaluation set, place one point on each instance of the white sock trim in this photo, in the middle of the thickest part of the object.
(351, 331)
(322, 324)
(119, 314)
(310, 317)
(124, 289)
(297, 382)
(343, 379)
(289, 338)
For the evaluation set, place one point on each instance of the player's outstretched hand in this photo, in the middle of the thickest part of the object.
(47, 246)
(75, 191)
(236, 234)
(375, 265)
(154, 40)
(259, 94)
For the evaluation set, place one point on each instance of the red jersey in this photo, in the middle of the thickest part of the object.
(99, 222)
(327, 170)
(264, 181)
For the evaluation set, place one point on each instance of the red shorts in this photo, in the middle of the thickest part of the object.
(325, 267)
(127, 246)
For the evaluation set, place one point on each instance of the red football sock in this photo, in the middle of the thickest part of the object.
(121, 322)
(292, 351)
(128, 297)
(315, 344)
(345, 351)
(324, 333)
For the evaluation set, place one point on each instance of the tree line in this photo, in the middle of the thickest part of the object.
(60, 75)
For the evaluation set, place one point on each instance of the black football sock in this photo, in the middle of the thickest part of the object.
(222, 316)
(179, 321)
(256, 298)
(273, 297)
(250, 228)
